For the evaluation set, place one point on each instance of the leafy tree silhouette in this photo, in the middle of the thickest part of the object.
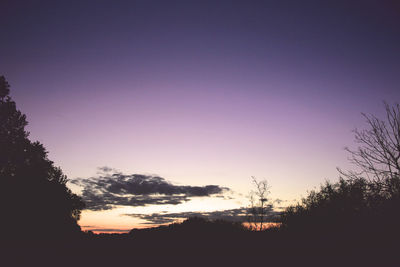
(35, 201)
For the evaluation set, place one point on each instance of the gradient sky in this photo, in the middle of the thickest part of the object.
(200, 92)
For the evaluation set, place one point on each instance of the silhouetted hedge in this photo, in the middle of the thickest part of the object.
(349, 207)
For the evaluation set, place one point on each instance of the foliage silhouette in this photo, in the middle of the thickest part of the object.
(362, 207)
(35, 200)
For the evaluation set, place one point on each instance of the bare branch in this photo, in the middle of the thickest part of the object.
(259, 205)
(378, 154)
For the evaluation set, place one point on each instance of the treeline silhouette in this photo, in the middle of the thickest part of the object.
(354, 221)
(35, 201)
(352, 208)
(195, 227)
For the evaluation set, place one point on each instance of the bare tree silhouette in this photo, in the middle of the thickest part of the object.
(363, 205)
(258, 204)
(378, 154)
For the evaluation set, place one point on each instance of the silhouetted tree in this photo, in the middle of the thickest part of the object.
(35, 201)
(259, 205)
(364, 202)
(377, 157)
(334, 205)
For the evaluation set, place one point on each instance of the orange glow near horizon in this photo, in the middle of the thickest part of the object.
(116, 230)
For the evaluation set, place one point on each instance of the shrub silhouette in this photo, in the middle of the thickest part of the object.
(351, 217)
(333, 205)
(365, 203)
(35, 200)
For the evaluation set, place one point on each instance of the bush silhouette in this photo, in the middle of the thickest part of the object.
(35, 200)
(367, 201)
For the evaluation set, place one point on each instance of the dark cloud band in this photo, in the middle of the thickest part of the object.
(112, 188)
(237, 215)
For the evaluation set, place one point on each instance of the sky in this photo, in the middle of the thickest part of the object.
(170, 107)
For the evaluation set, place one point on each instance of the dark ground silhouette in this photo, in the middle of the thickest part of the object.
(200, 242)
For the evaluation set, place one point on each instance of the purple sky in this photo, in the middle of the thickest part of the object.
(201, 92)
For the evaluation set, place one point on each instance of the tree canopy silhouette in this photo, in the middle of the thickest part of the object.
(364, 202)
(35, 201)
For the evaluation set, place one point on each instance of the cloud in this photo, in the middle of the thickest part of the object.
(105, 169)
(112, 188)
(238, 215)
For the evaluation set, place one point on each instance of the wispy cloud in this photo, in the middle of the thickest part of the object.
(238, 215)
